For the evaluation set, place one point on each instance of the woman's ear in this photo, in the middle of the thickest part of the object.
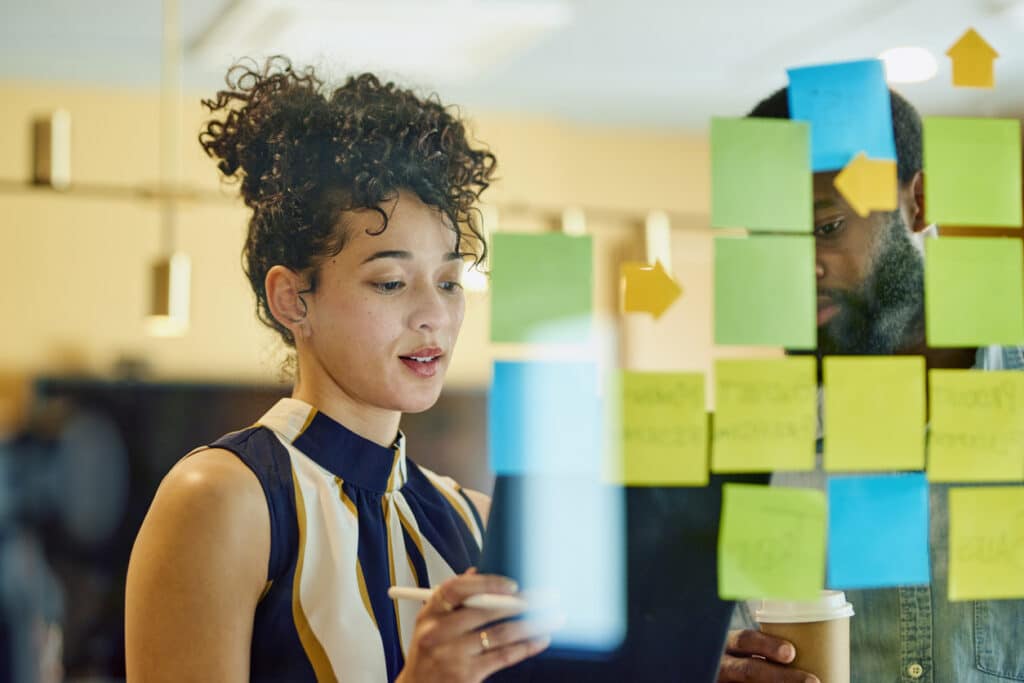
(285, 291)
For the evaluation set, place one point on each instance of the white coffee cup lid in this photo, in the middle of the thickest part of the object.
(831, 605)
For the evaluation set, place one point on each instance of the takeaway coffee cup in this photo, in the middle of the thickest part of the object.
(820, 630)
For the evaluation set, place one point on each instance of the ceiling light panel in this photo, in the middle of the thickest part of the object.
(443, 41)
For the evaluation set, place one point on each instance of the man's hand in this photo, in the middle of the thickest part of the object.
(755, 657)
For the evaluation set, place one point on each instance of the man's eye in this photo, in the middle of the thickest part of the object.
(830, 228)
(389, 286)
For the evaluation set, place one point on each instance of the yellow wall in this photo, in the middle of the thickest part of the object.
(74, 266)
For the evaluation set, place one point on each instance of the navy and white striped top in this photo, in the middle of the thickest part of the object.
(348, 519)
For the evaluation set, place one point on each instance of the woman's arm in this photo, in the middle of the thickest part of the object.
(197, 570)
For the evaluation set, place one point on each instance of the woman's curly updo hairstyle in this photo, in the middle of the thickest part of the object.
(305, 154)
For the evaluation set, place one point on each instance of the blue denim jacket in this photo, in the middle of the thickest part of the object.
(915, 634)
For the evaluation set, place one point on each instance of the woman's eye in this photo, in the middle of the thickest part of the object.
(830, 228)
(389, 286)
(451, 285)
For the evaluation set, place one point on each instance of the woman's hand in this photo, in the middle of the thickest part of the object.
(753, 657)
(450, 643)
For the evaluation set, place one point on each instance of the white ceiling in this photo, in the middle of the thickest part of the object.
(664, 63)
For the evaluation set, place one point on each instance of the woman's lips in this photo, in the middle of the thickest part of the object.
(422, 368)
(424, 361)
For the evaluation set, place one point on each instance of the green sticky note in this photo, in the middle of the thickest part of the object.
(761, 174)
(986, 543)
(874, 413)
(977, 426)
(664, 429)
(974, 291)
(765, 416)
(972, 171)
(771, 543)
(541, 288)
(765, 291)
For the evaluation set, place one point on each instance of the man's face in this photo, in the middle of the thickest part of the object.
(870, 276)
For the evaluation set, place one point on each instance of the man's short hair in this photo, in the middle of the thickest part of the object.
(906, 123)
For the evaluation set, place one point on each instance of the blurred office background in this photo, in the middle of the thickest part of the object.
(598, 111)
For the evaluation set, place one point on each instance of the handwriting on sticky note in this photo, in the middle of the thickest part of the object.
(664, 429)
(771, 543)
(765, 416)
(977, 426)
(775, 546)
(848, 107)
(986, 541)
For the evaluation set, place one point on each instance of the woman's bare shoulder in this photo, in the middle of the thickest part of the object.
(197, 570)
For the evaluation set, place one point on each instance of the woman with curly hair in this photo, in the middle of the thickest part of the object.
(267, 555)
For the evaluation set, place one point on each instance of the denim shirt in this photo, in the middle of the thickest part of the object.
(915, 634)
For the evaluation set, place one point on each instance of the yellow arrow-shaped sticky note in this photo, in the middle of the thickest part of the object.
(973, 60)
(648, 289)
(868, 184)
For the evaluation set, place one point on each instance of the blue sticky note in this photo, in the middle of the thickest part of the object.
(848, 107)
(545, 417)
(878, 531)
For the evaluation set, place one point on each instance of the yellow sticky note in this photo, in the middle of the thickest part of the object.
(765, 416)
(874, 413)
(664, 429)
(973, 61)
(771, 543)
(977, 426)
(868, 184)
(647, 289)
(986, 543)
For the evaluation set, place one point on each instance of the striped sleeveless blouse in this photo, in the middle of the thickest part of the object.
(348, 519)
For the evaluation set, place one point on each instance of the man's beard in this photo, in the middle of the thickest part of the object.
(886, 314)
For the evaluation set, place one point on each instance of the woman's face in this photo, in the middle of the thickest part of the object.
(383, 321)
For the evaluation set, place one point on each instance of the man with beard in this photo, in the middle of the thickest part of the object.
(870, 281)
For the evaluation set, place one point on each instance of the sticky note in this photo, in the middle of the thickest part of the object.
(761, 174)
(973, 61)
(766, 415)
(848, 107)
(541, 288)
(664, 429)
(874, 413)
(771, 543)
(974, 291)
(765, 291)
(868, 184)
(878, 531)
(972, 172)
(986, 543)
(647, 289)
(977, 426)
(545, 417)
